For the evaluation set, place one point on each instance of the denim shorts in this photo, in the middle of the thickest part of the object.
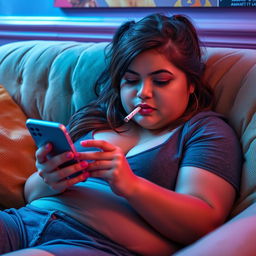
(52, 231)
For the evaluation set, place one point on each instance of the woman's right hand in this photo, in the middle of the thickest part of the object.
(55, 177)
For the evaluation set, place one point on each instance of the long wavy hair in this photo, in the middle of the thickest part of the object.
(176, 38)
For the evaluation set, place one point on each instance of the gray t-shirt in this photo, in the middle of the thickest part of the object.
(205, 141)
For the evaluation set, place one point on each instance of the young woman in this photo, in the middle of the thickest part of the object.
(150, 183)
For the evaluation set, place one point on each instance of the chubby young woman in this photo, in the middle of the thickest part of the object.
(148, 186)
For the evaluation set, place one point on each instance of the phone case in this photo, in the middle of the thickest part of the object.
(44, 132)
(55, 133)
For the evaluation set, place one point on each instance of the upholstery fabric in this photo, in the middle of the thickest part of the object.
(51, 80)
(17, 150)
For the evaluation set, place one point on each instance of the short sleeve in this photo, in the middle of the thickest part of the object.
(211, 144)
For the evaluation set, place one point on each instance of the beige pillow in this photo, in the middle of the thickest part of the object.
(17, 152)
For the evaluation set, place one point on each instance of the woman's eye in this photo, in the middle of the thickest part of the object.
(131, 81)
(161, 82)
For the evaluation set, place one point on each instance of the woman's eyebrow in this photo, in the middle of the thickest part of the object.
(152, 73)
(131, 71)
(161, 71)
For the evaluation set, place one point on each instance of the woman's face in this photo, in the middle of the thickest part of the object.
(160, 88)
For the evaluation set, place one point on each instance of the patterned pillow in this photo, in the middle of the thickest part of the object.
(17, 152)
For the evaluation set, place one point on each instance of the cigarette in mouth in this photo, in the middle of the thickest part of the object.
(132, 114)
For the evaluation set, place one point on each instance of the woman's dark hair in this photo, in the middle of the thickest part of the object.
(176, 38)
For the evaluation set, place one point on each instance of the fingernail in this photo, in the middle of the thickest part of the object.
(48, 146)
(83, 142)
(77, 155)
(83, 164)
(85, 176)
(69, 155)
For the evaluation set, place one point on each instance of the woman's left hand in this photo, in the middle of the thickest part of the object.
(111, 165)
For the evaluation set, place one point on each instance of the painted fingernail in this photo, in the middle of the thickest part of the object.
(83, 164)
(83, 142)
(48, 146)
(85, 176)
(69, 155)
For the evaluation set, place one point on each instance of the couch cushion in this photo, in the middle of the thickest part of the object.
(232, 73)
(49, 79)
(17, 150)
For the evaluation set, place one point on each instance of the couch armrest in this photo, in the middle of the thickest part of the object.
(236, 238)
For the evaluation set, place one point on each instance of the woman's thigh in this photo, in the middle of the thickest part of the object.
(53, 233)
(10, 233)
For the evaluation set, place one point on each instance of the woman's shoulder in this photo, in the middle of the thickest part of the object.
(208, 118)
(209, 122)
(206, 115)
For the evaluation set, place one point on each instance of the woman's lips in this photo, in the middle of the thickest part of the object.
(146, 109)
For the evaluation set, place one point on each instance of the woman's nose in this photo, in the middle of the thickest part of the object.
(145, 90)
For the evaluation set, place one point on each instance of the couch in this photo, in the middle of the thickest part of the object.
(51, 80)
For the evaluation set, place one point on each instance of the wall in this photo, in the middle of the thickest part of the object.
(40, 20)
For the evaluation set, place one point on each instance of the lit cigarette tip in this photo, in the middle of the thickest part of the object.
(132, 114)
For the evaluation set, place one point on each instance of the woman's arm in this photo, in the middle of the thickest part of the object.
(50, 180)
(200, 203)
(236, 238)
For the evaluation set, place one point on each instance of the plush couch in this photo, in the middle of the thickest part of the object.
(51, 80)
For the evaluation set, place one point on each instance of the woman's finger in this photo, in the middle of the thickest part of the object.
(99, 165)
(102, 144)
(63, 184)
(41, 153)
(96, 155)
(64, 173)
(54, 162)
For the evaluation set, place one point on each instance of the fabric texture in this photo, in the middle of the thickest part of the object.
(17, 161)
(62, 81)
(53, 231)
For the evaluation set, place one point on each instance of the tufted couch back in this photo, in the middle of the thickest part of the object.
(51, 80)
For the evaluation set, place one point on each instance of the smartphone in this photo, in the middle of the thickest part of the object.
(44, 132)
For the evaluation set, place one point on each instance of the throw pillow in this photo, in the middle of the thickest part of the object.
(17, 152)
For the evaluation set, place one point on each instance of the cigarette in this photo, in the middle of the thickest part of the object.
(132, 114)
